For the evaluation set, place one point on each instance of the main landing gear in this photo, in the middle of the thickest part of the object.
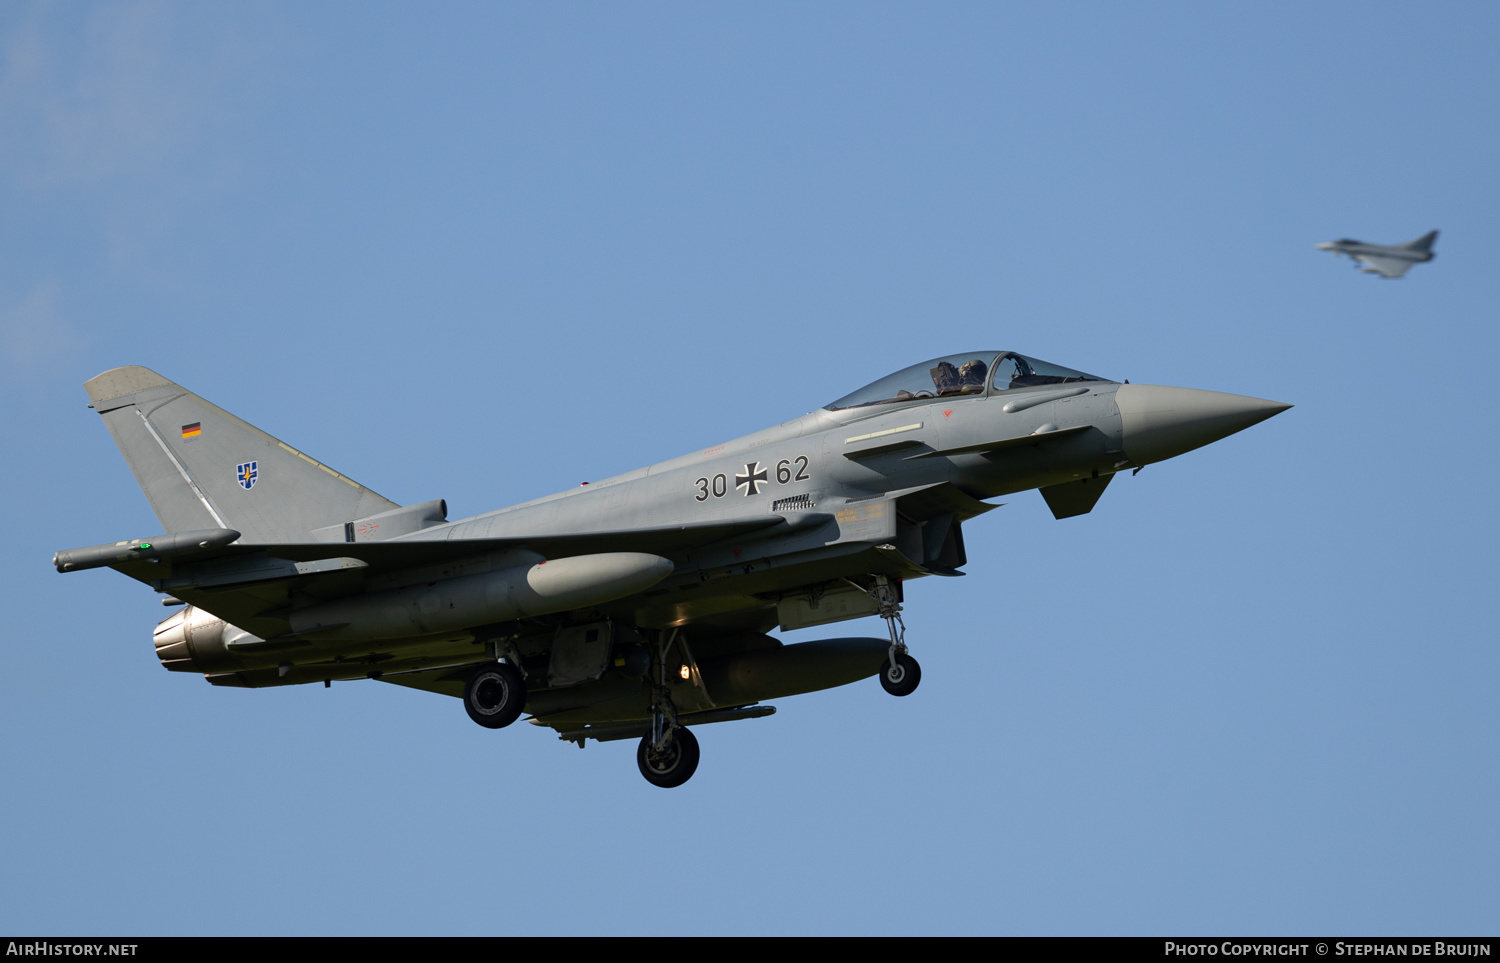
(668, 753)
(900, 673)
(495, 695)
(673, 762)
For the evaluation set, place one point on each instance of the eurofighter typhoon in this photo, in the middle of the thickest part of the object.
(1387, 261)
(637, 607)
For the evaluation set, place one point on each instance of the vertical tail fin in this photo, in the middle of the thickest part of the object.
(201, 467)
(1423, 243)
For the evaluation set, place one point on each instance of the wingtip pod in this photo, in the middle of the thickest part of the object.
(136, 549)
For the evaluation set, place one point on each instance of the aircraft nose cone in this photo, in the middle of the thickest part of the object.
(1161, 423)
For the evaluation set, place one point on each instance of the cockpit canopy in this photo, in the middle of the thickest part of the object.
(961, 374)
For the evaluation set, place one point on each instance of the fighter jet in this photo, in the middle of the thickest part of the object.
(637, 607)
(1388, 262)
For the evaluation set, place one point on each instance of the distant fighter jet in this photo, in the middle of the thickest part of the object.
(1389, 262)
(638, 606)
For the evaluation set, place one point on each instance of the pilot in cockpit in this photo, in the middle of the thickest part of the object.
(966, 379)
(945, 378)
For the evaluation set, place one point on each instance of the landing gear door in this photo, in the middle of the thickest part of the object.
(821, 605)
(580, 653)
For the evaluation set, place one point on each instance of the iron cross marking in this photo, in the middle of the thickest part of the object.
(754, 474)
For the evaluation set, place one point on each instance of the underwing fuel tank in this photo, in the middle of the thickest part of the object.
(556, 585)
(771, 670)
(787, 670)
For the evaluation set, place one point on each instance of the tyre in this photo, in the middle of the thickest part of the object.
(495, 695)
(902, 678)
(673, 765)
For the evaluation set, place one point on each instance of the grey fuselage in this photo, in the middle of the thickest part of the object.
(822, 461)
(795, 525)
(1376, 250)
(1389, 261)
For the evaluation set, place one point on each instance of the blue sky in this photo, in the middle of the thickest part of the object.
(484, 252)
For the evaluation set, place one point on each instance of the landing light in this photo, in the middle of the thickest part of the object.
(684, 672)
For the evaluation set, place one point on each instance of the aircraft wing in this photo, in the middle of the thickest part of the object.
(251, 586)
(1391, 267)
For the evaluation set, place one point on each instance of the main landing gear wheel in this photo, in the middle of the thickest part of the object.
(495, 695)
(902, 678)
(672, 765)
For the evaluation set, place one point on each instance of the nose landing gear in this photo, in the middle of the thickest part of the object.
(900, 678)
(900, 673)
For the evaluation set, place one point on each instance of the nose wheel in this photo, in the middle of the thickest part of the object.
(670, 764)
(901, 677)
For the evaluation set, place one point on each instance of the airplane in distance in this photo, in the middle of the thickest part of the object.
(1387, 261)
(636, 607)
